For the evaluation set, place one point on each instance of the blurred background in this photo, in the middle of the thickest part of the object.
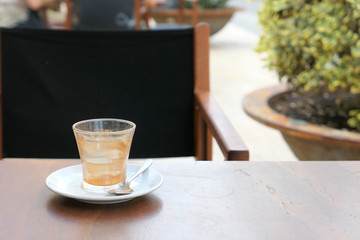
(236, 70)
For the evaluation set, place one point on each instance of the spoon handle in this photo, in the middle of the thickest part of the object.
(141, 169)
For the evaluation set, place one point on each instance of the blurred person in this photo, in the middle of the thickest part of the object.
(22, 13)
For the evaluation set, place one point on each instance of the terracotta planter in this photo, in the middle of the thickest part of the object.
(307, 141)
(216, 18)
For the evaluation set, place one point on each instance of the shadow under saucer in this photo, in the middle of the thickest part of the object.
(71, 209)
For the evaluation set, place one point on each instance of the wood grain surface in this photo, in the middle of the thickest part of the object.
(198, 200)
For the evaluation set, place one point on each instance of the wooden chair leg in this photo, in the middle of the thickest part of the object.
(203, 138)
(137, 11)
(195, 12)
(209, 140)
(68, 24)
(181, 16)
(199, 134)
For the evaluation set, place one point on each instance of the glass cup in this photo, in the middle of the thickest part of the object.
(104, 147)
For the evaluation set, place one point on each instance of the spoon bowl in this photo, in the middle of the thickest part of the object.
(125, 188)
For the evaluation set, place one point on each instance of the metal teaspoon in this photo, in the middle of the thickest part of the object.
(125, 188)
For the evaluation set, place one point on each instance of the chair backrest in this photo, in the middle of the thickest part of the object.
(106, 14)
(53, 78)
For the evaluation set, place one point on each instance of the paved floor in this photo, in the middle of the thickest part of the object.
(235, 70)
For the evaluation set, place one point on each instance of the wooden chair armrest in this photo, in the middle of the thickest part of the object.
(226, 136)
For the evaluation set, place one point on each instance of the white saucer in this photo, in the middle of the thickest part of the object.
(67, 182)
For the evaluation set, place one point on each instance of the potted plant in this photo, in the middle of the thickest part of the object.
(215, 12)
(314, 46)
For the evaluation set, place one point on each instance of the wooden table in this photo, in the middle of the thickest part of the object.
(198, 200)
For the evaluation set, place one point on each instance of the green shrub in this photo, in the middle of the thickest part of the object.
(314, 45)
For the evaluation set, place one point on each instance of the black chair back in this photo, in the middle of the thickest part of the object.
(54, 78)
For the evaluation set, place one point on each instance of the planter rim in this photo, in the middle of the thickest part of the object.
(202, 12)
(256, 105)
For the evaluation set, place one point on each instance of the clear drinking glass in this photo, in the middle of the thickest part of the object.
(104, 147)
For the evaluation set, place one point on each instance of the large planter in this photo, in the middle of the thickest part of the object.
(216, 18)
(307, 141)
